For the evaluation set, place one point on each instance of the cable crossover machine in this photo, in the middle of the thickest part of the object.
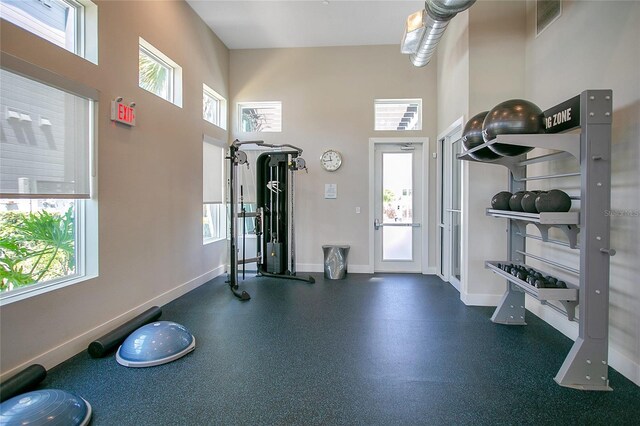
(274, 216)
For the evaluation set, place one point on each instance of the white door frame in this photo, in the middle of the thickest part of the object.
(423, 175)
(441, 256)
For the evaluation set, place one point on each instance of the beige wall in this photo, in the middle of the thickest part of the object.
(594, 45)
(480, 65)
(453, 72)
(149, 181)
(327, 99)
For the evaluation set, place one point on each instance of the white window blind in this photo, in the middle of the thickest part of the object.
(212, 173)
(45, 141)
(55, 20)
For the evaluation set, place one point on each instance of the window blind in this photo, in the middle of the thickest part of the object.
(45, 141)
(212, 173)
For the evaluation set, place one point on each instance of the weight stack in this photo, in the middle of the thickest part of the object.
(274, 258)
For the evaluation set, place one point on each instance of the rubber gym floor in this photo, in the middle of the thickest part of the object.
(390, 349)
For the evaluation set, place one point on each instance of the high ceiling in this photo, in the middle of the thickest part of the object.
(243, 24)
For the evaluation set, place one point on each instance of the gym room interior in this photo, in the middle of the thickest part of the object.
(136, 128)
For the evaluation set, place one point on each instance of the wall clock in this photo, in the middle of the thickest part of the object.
(331, 160)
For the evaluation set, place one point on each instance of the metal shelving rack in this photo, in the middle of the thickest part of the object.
(586, 365)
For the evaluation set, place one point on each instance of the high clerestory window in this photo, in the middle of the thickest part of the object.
(398, 114)
(260, 116)
(158, 74)
(214, 107)
(70, 24)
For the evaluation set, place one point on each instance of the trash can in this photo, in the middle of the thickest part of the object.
(335, 261)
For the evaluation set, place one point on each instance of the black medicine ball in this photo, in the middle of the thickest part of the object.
(553, 201)
(515, 202)
(529, 201)
(500, 201)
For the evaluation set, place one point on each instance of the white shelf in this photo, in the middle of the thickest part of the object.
(545, 218)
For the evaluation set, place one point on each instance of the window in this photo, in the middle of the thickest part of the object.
(69, 24)
(398, 114)
(547, 11)
(213, 223)
(158, 74)
(214, 107)
(213, 208)
(45, 187)
(260, 116)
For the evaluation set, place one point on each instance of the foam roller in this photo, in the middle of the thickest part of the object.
(23, 381)
(102, 346)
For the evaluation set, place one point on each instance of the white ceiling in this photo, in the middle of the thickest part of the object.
(244, 24)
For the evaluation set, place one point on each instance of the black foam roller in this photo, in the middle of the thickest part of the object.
(100, 347)
(22, 382)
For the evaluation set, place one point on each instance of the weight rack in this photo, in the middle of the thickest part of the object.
(586, 365)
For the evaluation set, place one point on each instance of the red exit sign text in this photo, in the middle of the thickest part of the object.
(123, 113)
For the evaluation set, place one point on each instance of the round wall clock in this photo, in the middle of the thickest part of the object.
(331, 160)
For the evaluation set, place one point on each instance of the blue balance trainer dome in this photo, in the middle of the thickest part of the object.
(45, 407)
(154, 344)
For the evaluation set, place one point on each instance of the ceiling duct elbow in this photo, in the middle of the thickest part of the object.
(425, 28)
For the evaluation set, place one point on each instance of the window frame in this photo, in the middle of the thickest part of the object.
(408, 101)
(85, 33)
(86, 211)
(174, 91)
(258, 104)
(218, 216)
(220, 116)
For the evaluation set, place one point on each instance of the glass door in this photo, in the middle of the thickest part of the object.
(450, 209)
(397, 205)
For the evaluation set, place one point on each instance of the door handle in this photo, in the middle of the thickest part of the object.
(377, 224)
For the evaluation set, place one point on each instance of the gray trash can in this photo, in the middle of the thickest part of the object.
(335, 261)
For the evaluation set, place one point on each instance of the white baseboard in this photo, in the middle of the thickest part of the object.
(72, 347)
(475, 299)
(314, 267)
(552, 317)
(623, 365)
(309, 267)
(355, 269)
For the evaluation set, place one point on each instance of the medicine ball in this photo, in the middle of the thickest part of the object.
(515, 116)
(472, 137)
(500, 201)
(529, 201)
(553, 201)
(515, 202)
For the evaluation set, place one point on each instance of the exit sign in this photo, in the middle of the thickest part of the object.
(123, 113)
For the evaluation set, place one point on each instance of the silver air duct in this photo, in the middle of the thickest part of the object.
(425, 28)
